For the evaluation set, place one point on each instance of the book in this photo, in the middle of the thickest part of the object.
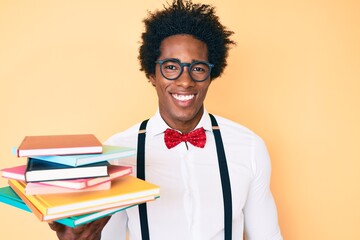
(33, 188)
(124, 191)
(59, 145)
(38, 170)
(18, 173)
(9, 197)
(109, 153)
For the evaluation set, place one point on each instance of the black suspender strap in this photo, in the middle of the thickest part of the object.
(225, 179)
(140, 172)
(224, 175)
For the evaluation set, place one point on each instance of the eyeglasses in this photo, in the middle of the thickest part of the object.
(172, 68)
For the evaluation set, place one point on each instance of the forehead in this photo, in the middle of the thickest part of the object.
(184, 47)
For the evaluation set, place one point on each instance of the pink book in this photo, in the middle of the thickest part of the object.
(40, 188)
(17, 172)
(113, 170)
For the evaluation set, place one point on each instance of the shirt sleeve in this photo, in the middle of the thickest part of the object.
(261, 222)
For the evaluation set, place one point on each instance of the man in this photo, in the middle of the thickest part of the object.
(214, 185)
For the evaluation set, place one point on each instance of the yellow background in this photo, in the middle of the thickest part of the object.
(71, 67)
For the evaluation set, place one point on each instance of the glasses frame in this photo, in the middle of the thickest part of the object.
(182, 65)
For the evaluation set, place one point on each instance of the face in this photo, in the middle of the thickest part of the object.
(181, 100)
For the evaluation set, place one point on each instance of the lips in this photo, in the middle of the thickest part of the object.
(183, 97)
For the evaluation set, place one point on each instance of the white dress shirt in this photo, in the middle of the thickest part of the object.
(190, 206)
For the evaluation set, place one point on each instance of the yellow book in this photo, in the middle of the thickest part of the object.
(124, 191)
(19, 200)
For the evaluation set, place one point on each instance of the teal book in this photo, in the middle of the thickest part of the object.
(9, 197)
(109, 153)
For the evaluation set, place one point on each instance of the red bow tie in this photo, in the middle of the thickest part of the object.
(196, 137)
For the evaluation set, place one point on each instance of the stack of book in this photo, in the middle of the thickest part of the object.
(68, 179)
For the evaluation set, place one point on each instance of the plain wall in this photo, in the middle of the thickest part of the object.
(71, 67)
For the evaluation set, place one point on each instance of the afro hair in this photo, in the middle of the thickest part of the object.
(198, 20)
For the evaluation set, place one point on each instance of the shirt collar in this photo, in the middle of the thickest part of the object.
(157, 125)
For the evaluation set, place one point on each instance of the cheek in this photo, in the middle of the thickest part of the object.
(160, 88)
(204, 90)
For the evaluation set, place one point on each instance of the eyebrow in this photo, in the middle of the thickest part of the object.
(193, 60)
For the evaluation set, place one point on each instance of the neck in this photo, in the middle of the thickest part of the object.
(184, 125)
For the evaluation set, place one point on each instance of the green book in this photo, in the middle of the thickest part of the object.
(9, 197)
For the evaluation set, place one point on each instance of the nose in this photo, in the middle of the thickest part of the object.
(185, 80)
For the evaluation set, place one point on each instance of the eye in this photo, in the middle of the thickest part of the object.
(198, 69)
(171, 66)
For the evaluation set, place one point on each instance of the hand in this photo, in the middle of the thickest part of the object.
(90, 231)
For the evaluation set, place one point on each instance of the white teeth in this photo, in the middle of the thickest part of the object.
(183, 97)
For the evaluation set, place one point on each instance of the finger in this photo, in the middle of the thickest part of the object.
(90, 231)
(56, 226)
(80, 229)
(93, 229)
(99, 223)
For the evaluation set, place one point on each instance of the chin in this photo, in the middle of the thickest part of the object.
(184, 116)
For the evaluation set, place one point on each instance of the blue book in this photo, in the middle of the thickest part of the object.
(9, 197)
(109, 153)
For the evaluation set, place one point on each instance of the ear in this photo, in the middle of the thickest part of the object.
(152, 79)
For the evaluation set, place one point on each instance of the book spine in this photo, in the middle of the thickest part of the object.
(18, 204)
(36, 212)
(36, 202)
(65, 160)
(67, 221)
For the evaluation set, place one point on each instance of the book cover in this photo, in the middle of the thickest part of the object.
(38, 170)
(33, 188)
(109, 153)
(59, 145)
(9, 197)
(18, 173)
(124, 191)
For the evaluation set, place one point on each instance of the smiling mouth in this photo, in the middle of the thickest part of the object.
(183, 97)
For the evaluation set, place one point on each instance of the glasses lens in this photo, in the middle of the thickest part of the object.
(171, 69)
(200, 71)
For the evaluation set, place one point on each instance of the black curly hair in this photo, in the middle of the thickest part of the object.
(198, 20)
